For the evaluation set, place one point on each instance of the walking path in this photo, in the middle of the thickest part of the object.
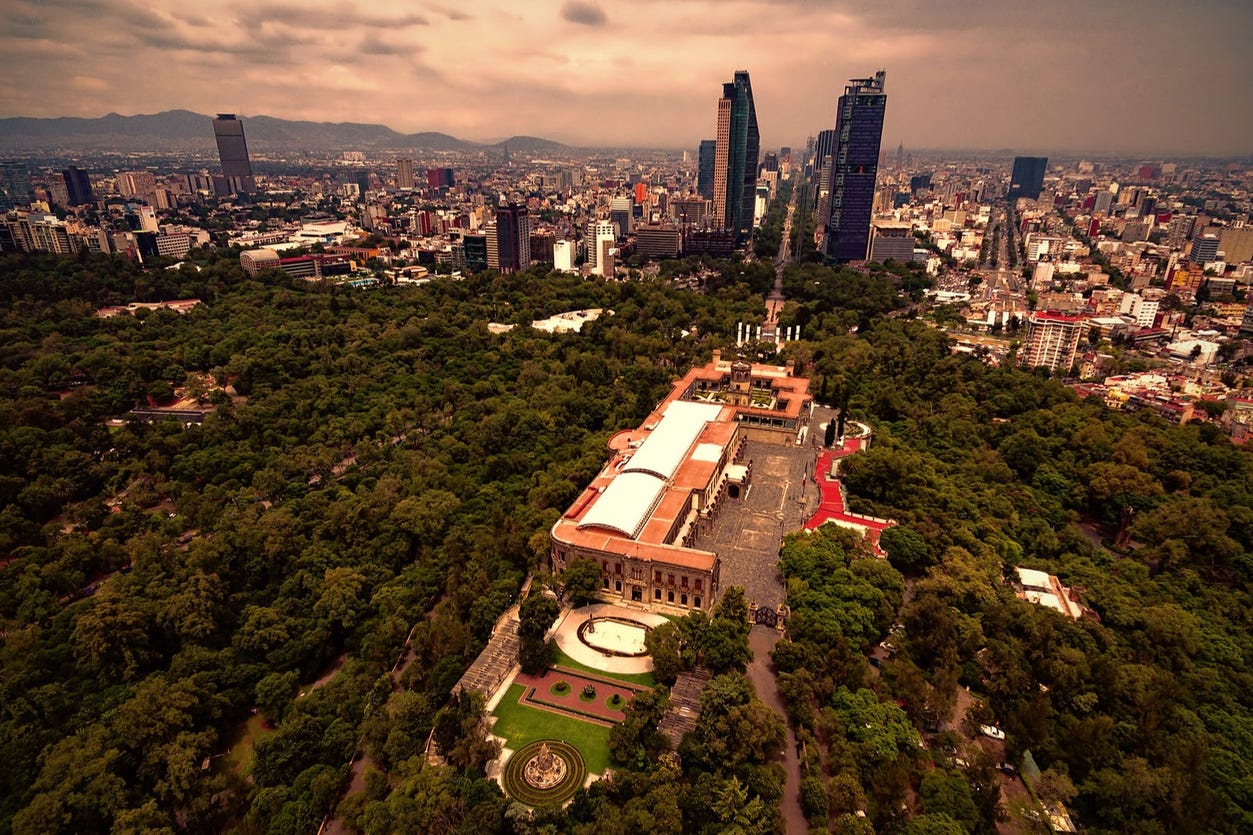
(761, 673)
(567, 638)
(832, 507)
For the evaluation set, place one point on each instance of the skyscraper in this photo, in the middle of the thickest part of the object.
(404, 174)
(233, 152)
(77, 186)
(620, 210)
(513, 237)
(854, 168)
(735, 157)
(1051, 340)
(1028, 177)
(705, 169)
(15, 188)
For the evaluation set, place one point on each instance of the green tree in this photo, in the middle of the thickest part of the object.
(535, 616)
(580, 582)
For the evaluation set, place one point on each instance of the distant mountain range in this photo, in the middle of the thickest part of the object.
(183, 130)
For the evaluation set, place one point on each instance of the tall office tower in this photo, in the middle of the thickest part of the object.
(1204, 249)
(705, 169)
(77, 186)
(824, 147)
(735, 157)
(620, 211)
(770, 162)
(233, 152)
(15, 187)
(1051, 340)
(404, 174)
(1028, 177)
(599, 235)
(854, 168)
(513, 237)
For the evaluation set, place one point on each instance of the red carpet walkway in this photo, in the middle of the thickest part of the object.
(832, 509)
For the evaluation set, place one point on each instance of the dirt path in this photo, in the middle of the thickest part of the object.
(761, 673)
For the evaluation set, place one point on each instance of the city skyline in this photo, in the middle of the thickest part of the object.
(1061, 77)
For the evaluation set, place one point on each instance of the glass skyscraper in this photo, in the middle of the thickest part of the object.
(705, 168)
(1028, 177)
(854, 168)
(233, 152)
(735, 157)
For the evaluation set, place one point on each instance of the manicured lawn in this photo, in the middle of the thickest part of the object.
(521, 724)
(642, 679)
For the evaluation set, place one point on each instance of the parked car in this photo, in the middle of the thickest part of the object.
(992, 732)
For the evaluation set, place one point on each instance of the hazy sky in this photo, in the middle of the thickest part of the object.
(1033, 75)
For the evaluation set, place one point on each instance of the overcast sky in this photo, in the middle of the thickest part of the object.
(1032, 75)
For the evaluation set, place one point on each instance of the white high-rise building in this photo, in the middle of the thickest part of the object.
(563, 256)
(598, 231)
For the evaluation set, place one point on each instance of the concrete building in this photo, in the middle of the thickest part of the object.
(1204, 249)
(621, 209)
(891, 240)
(656, 241)
(404, 174)
(563, 256)
(599, 232)
(1051, 340)
(255, 260)
(663, 483)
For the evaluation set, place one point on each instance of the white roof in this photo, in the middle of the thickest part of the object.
(625, 504)
(667, 446)
(629, 500)
(1032, 577)
(707, 452)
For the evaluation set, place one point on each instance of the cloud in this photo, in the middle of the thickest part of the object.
(584, 14)
(1069, 74)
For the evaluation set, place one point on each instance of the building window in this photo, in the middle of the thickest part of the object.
(670, 596)
(696, 601)
(617, 568)
(637, 593)
(698, 587)
(656, 594)
(657, 577)
(684, 581)
(617, 585)
(670, 579)
(637, 574)
(604, 582)
(683, 599)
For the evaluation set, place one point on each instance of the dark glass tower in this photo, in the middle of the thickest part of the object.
(1028, 177)
(77, 186)
(233, 151)
(705, 169)
(513, 237)
(854, 167)
(15, 188)
(735, 157)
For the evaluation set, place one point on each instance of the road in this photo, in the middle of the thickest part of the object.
(761, 673)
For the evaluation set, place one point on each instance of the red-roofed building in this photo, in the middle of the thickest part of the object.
(661, 483)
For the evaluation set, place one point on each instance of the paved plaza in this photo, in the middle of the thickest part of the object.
(567, 638)
(748, 531)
